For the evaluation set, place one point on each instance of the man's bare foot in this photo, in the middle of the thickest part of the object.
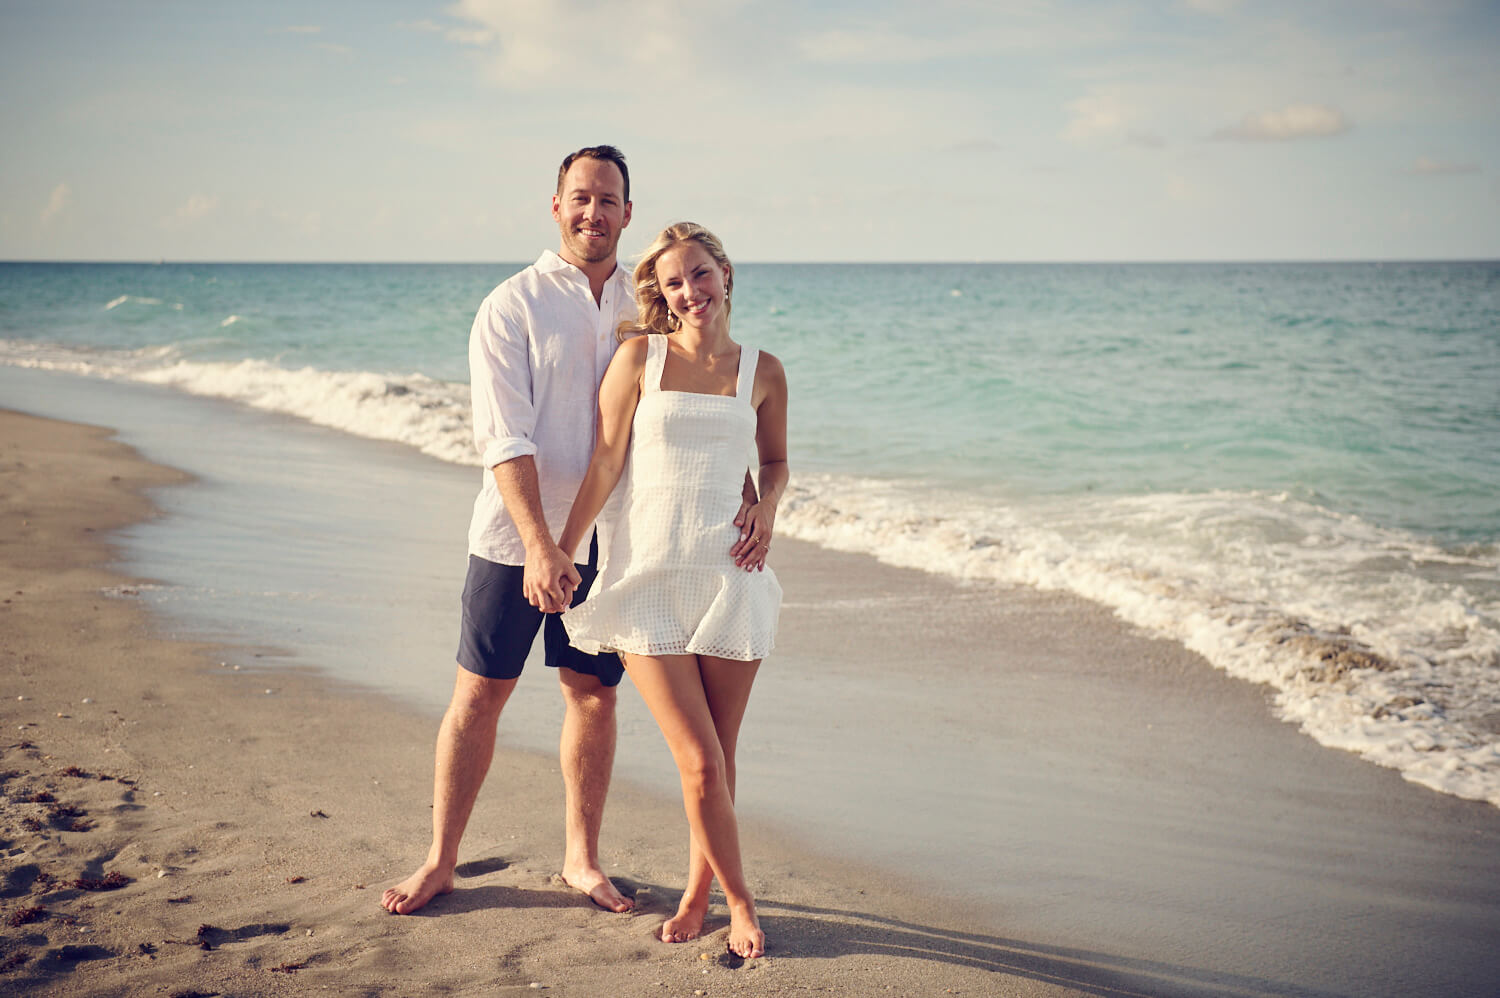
(599, 889)
(745, 938)
(416, 890)
(687, 924)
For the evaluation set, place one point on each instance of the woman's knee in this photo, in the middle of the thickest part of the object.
(702, 770)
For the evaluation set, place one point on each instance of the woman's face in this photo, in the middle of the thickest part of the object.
(692, 283)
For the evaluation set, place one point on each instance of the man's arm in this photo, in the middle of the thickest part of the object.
(550, 577)
(504, 419)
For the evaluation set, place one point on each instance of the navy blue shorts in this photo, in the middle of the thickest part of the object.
(499, 626)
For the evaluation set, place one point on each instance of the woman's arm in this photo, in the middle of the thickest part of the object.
(770, 442)
(619, 393)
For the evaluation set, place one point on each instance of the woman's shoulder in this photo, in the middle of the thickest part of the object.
(633, 350)
(770, 379)
(768, 365)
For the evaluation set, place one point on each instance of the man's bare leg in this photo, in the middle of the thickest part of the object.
(587, 755)
(465, 746)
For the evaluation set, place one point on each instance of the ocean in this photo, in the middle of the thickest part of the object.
(1292, 469)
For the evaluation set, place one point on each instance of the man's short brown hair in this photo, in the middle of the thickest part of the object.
(607, 153)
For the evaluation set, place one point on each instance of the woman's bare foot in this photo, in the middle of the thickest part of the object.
(428, 882)
(745, 938)
(687, 924)
(599, 888)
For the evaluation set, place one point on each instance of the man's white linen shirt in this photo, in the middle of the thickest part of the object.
(537, 352)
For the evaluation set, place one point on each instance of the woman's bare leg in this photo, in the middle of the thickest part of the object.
(676, 690)
(726, 685)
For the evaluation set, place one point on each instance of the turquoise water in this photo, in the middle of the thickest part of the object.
(1373, 388)
(1271, 463)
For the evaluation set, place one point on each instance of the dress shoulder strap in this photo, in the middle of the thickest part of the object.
(656, 360)
(745, 387)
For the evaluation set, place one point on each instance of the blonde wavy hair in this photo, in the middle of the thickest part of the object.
(652, 314)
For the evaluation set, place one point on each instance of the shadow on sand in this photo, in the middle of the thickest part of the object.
(805, 931)
(815, 933)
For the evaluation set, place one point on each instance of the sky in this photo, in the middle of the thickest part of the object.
(798, 130)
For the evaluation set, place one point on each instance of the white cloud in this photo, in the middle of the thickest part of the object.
(1211, 6)
(471, 36)
(539, 44)
(302, 29)
(1180, 188)
(57, 202)
(425, 25)
(957, 29)
(882, 45)
(308, 224)
(976, 147)
(1096, 115)
(335, 48)
(1297, 121)
(1428, 167)
(195, 209)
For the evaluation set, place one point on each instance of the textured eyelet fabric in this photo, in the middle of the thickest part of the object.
(668, 585)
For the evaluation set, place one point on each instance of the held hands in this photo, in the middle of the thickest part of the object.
(756, 521)
(550, 578)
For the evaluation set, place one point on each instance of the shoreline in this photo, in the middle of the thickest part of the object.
(252, 816)
(1153, 829)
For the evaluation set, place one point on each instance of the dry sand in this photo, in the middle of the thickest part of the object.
(174, 826)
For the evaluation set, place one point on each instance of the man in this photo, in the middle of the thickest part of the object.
(538, 349)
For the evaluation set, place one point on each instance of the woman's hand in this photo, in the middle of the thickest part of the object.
(756, 521)
(549, 578)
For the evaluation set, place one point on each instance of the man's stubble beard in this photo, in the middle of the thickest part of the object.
(588, 252)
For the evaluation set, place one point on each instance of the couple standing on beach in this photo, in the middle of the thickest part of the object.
(584, 379)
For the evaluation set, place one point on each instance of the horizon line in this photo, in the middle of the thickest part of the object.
(161, 261)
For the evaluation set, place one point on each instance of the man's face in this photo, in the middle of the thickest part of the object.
(591, 211)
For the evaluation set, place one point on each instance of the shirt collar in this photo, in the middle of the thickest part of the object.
(550, 263)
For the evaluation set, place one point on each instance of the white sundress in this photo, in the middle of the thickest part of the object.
(668, 585)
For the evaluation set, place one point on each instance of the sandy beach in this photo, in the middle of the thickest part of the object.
(177, 824)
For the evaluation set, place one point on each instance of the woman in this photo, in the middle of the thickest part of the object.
(683, 593)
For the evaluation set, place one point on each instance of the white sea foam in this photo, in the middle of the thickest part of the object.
(1376, 641)
(229, 321)
(412, 409)
(135, 300)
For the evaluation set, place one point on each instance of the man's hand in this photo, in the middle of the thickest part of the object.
(550, 578)
(756, 520)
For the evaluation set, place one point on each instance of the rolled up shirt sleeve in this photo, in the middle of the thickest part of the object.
(500, 382)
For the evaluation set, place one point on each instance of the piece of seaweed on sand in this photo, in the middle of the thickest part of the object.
(111, 881)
